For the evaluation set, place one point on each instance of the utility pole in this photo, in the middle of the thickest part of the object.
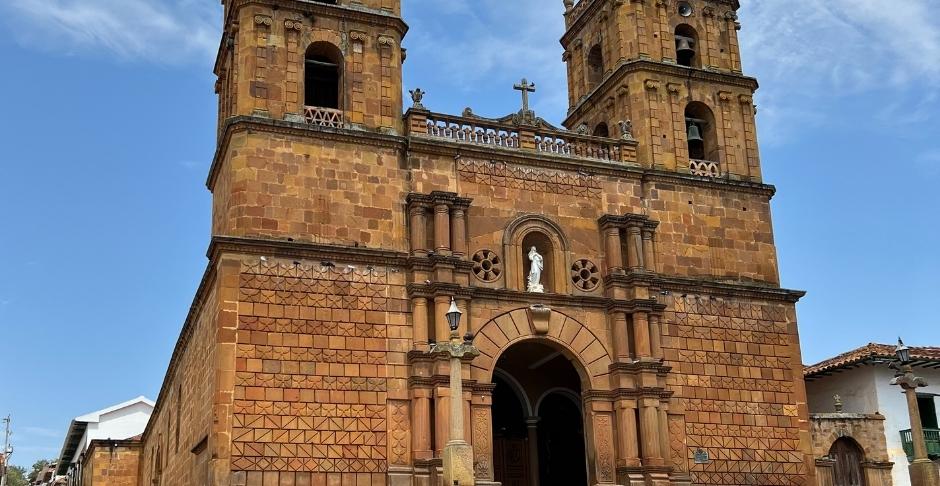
(7, 451)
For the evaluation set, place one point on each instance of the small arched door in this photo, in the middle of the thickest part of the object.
(848, 468)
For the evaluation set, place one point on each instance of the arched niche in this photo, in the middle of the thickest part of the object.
(546, 236)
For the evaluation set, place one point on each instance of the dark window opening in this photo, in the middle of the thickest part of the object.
(601, 130)
(595, 65)
(928, 411)
(686, 46)
(322, 76)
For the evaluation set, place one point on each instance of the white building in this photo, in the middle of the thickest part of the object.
(862, 378)
(122, 421)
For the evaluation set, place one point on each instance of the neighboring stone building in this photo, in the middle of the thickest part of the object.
(620, 277)
(873, 429)
(98, 442)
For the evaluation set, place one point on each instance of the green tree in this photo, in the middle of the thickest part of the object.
(38, 466)
(16, 476)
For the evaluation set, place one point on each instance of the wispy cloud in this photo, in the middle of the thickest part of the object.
(813, 52)
(162, 31)
(40, 432)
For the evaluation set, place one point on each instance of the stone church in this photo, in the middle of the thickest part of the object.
(617, 272)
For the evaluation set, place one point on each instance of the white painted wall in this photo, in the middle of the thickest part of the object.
(119, 424)
(893, 405)
(856, 387)
(868, 390)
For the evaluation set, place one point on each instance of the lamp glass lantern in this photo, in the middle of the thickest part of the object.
(903, 352)
(453, 315)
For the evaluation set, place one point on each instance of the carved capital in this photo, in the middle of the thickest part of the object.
(708, 12)
(295, 25)
(386, 41)
(673, 88)
(746, 99)
(731, 16)
(664, 4)
(263, 20)
(358, 36)
(724, 96)
(623, 91)
(652, 84)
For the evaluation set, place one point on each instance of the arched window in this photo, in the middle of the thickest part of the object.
(848, 467)
(601, 130)
(595, 65)
(323, 72)
(701, 132)
(687, 46)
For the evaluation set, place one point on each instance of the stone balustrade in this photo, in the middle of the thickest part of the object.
(323, 117)
(520, 136)
(704, 168)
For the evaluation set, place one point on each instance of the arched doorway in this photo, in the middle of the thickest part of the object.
(538, 424)
(848, 468)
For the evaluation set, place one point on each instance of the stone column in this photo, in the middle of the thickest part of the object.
(458, 232)
(419, 231)
(634, 249)
(641, 335)
(614, 250)
(419, 320)
(421, 420)
(442, 229)
(441, 418)
(532, 427)
(664, 431)
(629, 446)
(441, 328)
(656, 337)
(649, 256)
(649, 432)
(621, 340)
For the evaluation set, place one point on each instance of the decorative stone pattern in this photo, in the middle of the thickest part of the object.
(498, 174)
(487, 266)
(737, 376)
(585, 275)
(111, 463)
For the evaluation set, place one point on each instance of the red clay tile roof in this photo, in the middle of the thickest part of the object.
(867, 353)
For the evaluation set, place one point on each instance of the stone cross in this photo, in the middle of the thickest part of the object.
(526, 87)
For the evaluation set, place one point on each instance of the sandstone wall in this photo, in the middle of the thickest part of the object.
(111, 463)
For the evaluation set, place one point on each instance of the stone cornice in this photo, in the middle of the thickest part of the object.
(305, 251)
(715, 287)
(446, 148)
(379, 18)
(626, 67)
(268, 125)
(846, 416)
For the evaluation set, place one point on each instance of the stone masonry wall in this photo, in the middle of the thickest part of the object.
(111, 463)
(319, 350)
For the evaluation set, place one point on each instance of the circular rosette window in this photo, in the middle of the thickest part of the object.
(585, 275)
(487, 266)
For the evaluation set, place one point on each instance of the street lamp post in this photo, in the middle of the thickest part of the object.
(922, 470)
(458, 455)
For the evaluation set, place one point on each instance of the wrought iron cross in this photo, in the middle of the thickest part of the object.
(526, 87)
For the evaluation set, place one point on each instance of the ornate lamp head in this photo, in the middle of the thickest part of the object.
(903, 352)
(453, 315)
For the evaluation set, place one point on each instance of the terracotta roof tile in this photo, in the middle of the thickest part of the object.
(869, 352)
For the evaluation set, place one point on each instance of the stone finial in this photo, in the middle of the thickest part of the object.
(569, 4)
(582, 129)
(838, 403)
(626, 130)
(417, 95)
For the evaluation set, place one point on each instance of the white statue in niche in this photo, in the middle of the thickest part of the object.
(535, 272)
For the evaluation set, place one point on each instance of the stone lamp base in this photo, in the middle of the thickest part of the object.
(458, 464)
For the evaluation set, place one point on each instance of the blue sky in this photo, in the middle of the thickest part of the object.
(108, 131)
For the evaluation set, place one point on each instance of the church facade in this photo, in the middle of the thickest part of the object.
(618, 276)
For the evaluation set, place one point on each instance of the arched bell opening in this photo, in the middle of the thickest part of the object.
(323, 72)
(687, 46)
(601, 130)
(538, 422)
(701, 133)
(595, 61)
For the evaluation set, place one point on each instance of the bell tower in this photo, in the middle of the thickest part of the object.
(670, 71)
(327, 63)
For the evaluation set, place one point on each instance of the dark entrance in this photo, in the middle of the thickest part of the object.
(538, 425)
(848, 468)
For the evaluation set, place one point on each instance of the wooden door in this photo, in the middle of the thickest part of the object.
(511, 461)
(848, 467)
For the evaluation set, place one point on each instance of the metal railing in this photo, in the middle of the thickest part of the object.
(931, 436)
